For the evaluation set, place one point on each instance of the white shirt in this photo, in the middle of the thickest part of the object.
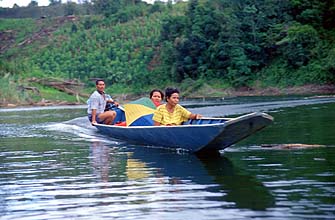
(96, 101)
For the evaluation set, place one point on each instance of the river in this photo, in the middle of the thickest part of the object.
(55, 165)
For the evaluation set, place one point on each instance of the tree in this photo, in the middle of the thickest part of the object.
(70, 8)
(33, 4)
(106, 7)
(329, 14)
(298, 44)
(55, 2)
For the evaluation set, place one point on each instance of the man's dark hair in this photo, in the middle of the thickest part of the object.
(170, 91)
(156, 90)
(99, 80)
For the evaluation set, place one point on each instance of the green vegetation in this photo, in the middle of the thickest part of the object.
(199, 45)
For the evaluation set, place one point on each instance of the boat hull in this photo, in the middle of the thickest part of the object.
(195, 135)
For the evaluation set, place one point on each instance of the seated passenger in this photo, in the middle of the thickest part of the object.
(96, 106)
(172, 113)
(156, 97)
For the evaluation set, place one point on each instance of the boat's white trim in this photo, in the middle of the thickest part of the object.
(161, 126)
(250, 115)
(213, 118)
(227, 122)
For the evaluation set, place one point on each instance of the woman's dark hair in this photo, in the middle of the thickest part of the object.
(169, 92)
(156, 90)
(99, 80)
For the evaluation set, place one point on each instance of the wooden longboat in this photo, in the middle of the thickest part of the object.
(206, 134)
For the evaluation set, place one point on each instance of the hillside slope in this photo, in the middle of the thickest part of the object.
(206, 48)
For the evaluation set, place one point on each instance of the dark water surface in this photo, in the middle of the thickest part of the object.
(54, 165)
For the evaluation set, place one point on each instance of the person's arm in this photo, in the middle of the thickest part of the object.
(113, 102)
(195, 116)
(94, 116)
(157, 118)
(188, 115)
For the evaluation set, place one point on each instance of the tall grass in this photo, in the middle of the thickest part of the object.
(8, 91)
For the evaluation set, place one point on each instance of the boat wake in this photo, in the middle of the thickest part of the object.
(80, 129)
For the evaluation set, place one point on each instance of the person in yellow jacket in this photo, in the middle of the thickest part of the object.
(172, 113)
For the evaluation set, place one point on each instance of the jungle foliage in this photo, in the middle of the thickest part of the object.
(134, 44)
(289, 42)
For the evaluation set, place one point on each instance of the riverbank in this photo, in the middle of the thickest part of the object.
(308, 90)
(275, 91)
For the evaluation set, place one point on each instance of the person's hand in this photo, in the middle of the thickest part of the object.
(116, 103)
(198, 116)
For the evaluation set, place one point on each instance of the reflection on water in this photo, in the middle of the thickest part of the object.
(304, 124)
(100, 160)
(242, 189)
(238, 187)
(52, 170)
